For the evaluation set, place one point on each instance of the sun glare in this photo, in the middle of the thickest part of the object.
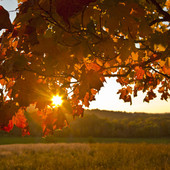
(57, 100)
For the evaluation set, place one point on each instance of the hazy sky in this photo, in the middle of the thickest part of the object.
(107, 99)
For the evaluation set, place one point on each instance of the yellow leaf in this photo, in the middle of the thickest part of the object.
(167, 4)
(168, 61)
(107, 64)
(159, 47)
(162, 63)
(99, 62)
(134, 56)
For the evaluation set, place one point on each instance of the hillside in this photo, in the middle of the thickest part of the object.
(108, 124)
(122, 115)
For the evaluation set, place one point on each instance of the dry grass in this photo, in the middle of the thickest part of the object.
(85, 156)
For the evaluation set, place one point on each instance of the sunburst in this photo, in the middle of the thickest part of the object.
(57, 100)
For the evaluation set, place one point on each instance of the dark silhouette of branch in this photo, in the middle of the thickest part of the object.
(82, 16)
(157, 21)
(119, 66)
(46, 75)
(101, 29)
(52, 20)
(160, 10)
(165, 75)
(119, 75)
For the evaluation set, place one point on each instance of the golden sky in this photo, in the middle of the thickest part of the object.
(108, 99)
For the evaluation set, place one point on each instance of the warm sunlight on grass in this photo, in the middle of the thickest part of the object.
(57, 100)
(64, 156)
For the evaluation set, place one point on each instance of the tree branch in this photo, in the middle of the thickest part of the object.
(62, 27)
(145, 63)
(82, 16)
(119, 75)
(100, 19)
(165, 75)
(53, 20)
(45, 75)
(121, 66)
(161, 11)
(157, 21)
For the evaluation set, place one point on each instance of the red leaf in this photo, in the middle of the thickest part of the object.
(93, 66)
(124, 94)
(86, 100)
(7, 111)
(139, 73)
(5, 22)
(19, 119)
(78, 111)
(69, 8)
(94, 80)
(9, 127)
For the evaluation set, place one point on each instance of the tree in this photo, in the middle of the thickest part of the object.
(69, 47)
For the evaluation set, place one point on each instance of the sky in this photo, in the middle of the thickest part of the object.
(107, 98)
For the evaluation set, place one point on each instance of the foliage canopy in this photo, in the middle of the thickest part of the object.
(69, 47)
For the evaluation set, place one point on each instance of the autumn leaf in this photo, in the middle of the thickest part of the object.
(165, 96)
(166, 70)
(150, 96)
(124, 94)
(135, 56)
(69, 47)
(90, 80)
(139, 72)
(5, 22)
(94, 80)
(9, 127)
(78, 111)
(69, 8)
(7, 111)
(86, 100)
(167, 4)
(161, 90)
(20, 120)
(32, 35)
(92, 66)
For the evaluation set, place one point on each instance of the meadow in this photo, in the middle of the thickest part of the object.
(118, 141)
(94, 156)
(51, 139)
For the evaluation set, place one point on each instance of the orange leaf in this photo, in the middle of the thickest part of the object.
(139, 73)
(166, 70)
(86, 100)
(93, 66)
(134, 56)
(9, 127)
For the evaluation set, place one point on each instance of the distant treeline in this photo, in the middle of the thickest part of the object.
(118, 124)
(109, 124)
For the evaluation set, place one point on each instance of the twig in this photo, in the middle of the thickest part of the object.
(157, 21)
(119, 75)
(165, 75)
(100, 19)
(160, 10)
(82, 16)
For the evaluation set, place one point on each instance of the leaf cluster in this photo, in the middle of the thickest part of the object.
(69, 47)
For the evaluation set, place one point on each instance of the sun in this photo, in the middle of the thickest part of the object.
(57, 100)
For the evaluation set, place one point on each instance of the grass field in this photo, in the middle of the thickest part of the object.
(30, 153)
(76, 156)
(27, 140)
